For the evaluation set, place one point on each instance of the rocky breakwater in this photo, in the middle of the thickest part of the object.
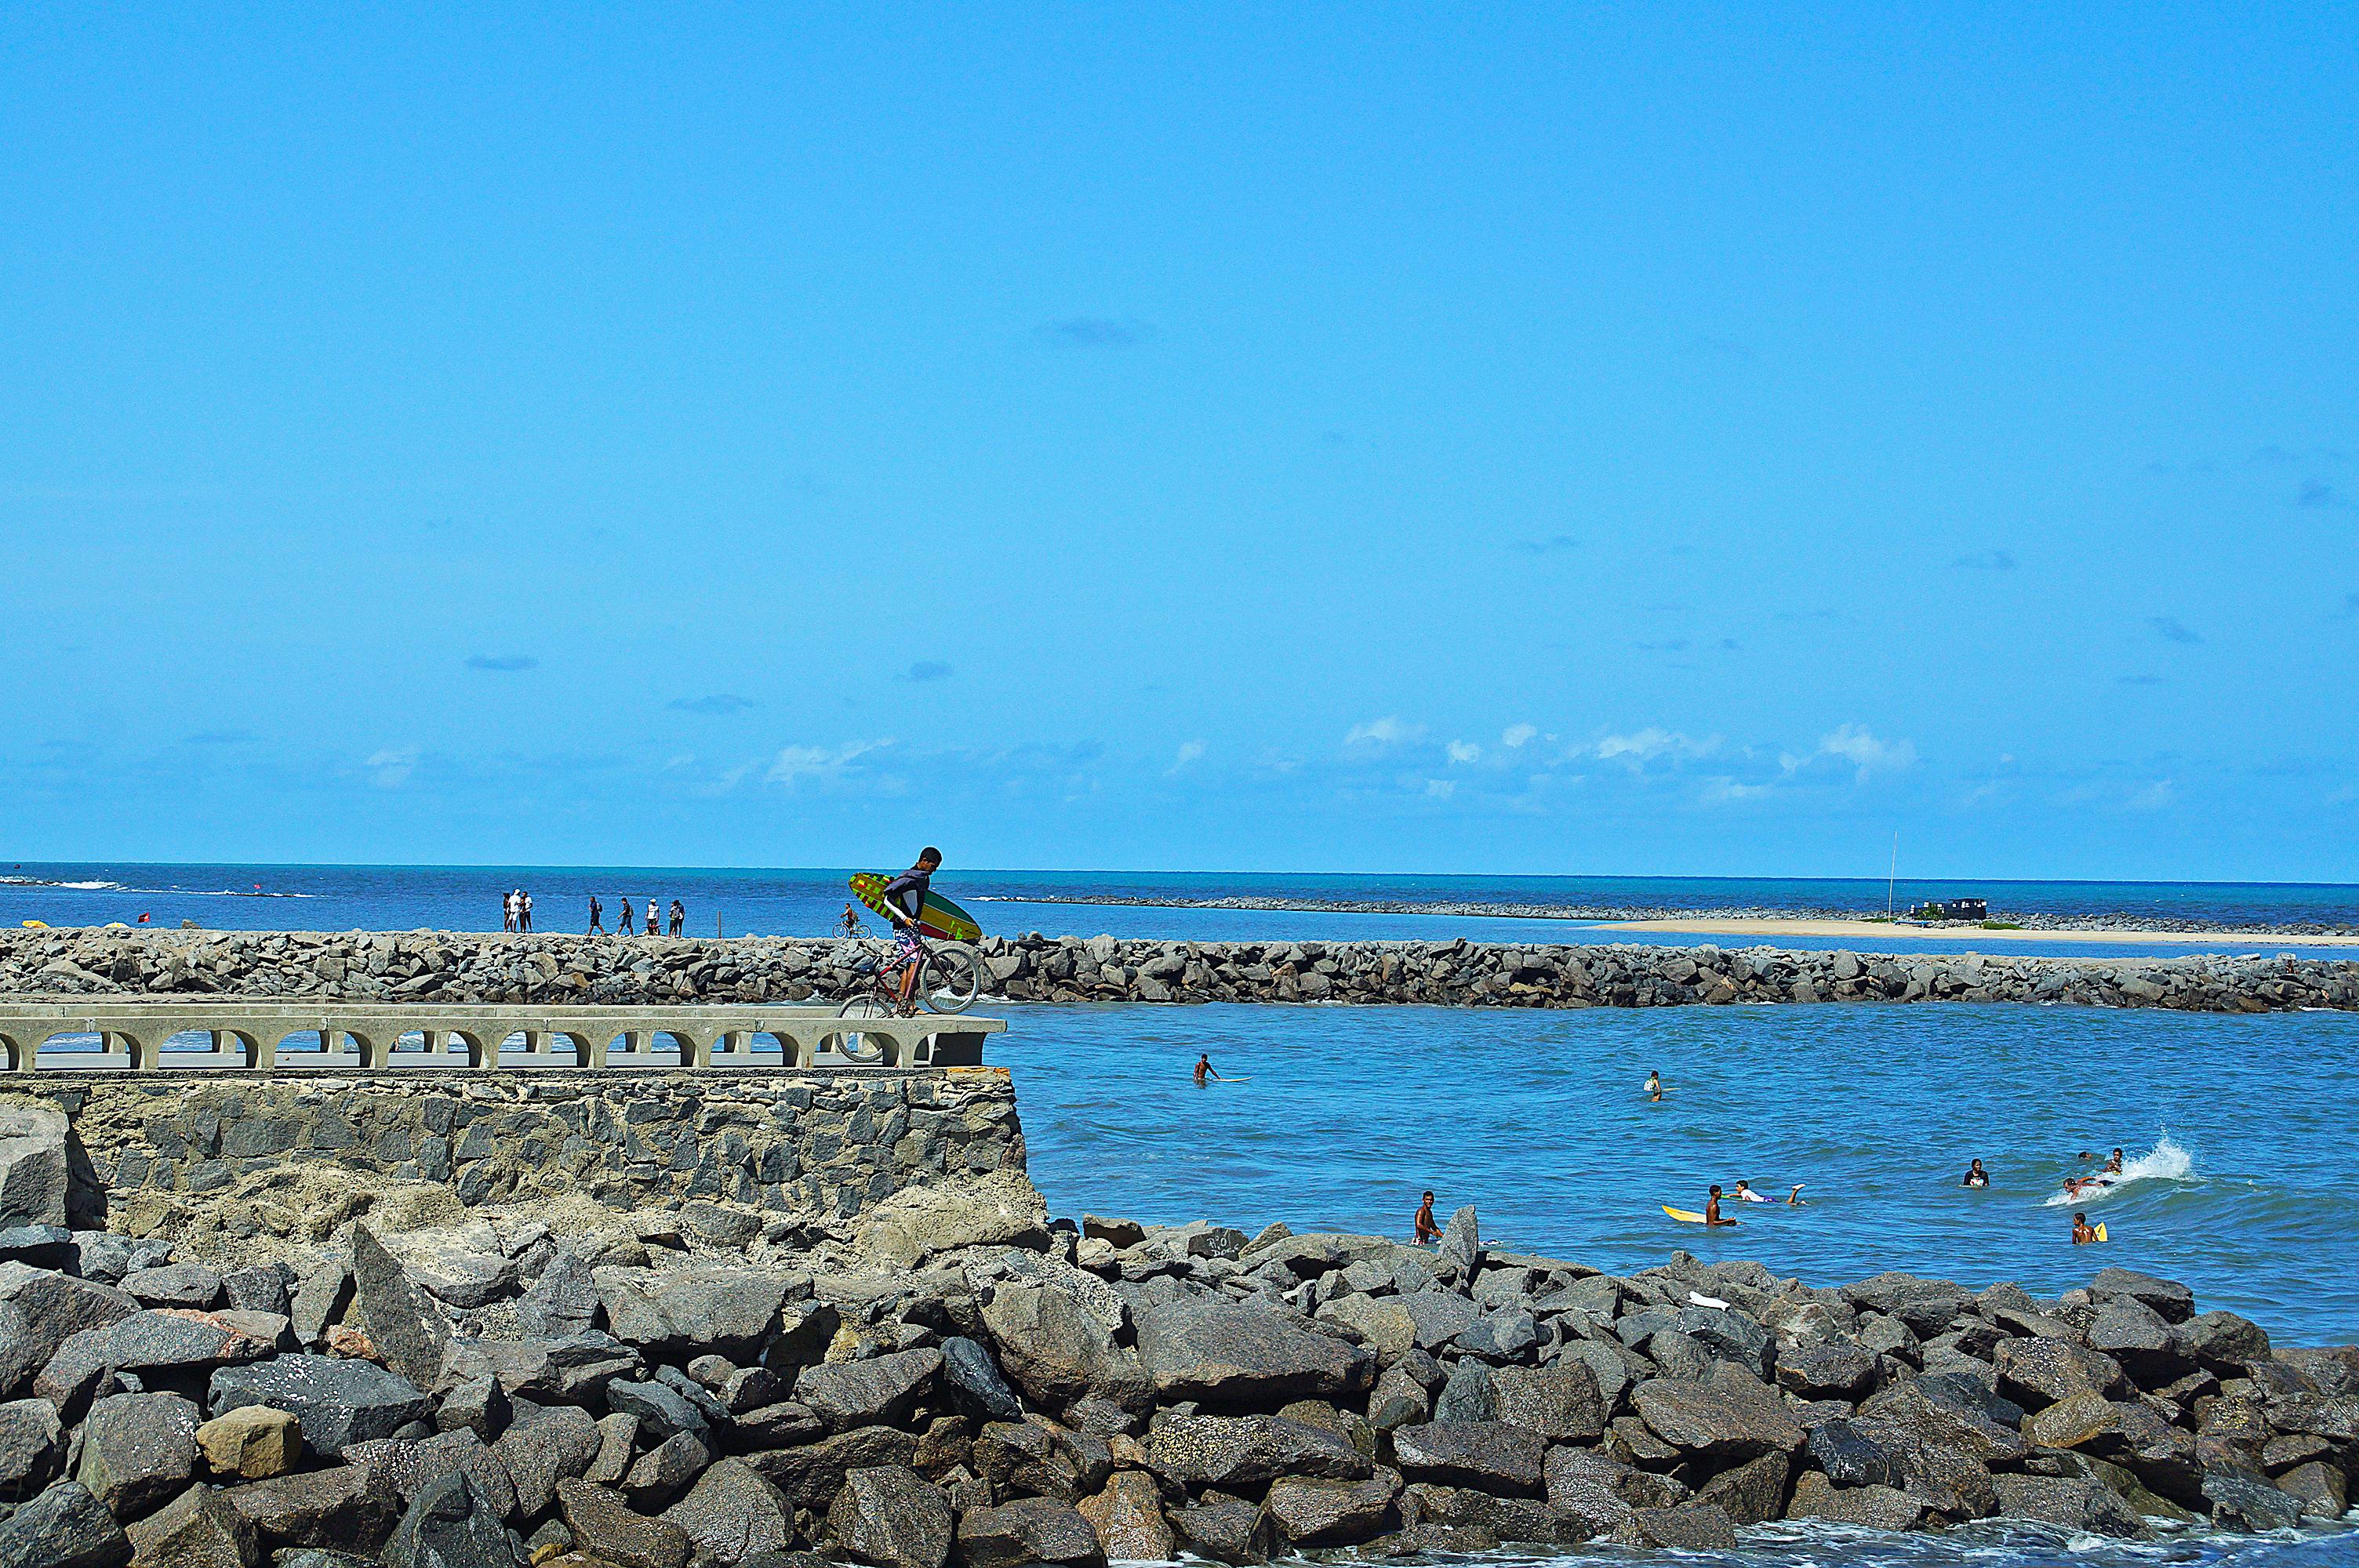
(954, 1378)
(459, 966)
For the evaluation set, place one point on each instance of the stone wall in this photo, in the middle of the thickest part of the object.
(803, 1143)
(483, 966)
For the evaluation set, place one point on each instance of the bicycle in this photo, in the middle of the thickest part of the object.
(949, 978)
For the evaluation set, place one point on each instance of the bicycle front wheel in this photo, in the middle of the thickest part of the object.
(857, 1045)
(952, 978)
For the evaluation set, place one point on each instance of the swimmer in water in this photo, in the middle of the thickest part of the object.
(1654, 1085)
(1795, 1198)
(2114, 1165)
(1204, 1070)
(2083, 1233)
(1976, 1176)
(1711, 1208)
(1744, 1190)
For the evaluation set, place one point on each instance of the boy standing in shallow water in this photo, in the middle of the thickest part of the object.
(1425, 1229)
(1711, 1208)
(2083, 1233)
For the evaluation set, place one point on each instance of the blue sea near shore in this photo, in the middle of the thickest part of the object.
(809, 902)
(2236, 1132)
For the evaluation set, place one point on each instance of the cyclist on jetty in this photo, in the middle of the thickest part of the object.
(905, 900)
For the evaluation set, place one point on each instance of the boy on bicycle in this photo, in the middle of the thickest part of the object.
(905, 900)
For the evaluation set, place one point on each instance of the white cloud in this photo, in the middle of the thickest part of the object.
(2154, 797)
(796, 763)
(390, 768)
(1385, 732)
(1189, 751)
(1648, 744)
(1442, 789)
(1854, 745)
(1728, 789)
(1465, 751)
(1515, 735)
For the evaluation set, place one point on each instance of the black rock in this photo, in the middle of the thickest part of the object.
(1027, 1530)
(878, 1391)
(607, 1529)
(339, 1401)
(893, 1518)
(137, 1450)
(1488, 1454)
(450, 1524)
(972, 1377)
(733, 1514)
(65, 1527)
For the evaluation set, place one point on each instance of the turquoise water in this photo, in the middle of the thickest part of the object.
(2237, 1129)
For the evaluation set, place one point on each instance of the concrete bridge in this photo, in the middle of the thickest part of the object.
(145, 1034)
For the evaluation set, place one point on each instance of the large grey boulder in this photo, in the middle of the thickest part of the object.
(196, 1530)
(2226, 1342)
(1849, 1457)
(709, 1307)
(811, 1473)
(879, 1392)
(1753, 1492)
(1057, 1351)
(1226, 1529)
(461, 1267)
(544, 1444)
(450, 1523)
(1027, 1530)
(1442, 1319)
(65, 1527)
(407, 1326)
(2037, 1373)
(1925, 1306)
(1383, 1323)
(891, 1516)
(1462, 1244)
(1873, 1506)
(2172, 1301)
(30, 1446)
(1560, 1402)
(41, 1309)
(563, 1302)
(34, 1170)
(2076, 1502)
(174, 1284)
(1729, 1335)
(662, 1410)
(607, 1529)
(734, 1513)
(2245, 1503)
(1728, 1413)
(1489, 1455)
(1235, 1354)
(407, 1467)
(339, 1507)
(1467, 1394)
(1239, 1453)
(1689, 1527)
(1830, 1369)
(339, 1401)
(137, 1450)
(1001, 1208)
(1314, 1513)
(144, 1342)
(1599, 1490)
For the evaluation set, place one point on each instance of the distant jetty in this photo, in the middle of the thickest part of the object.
(489, 967)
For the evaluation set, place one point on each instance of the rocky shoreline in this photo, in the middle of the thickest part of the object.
(477, 966)
(955, 1379)
(2026, 919)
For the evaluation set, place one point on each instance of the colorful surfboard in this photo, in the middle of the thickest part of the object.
(939, 918)
(1689, 1215)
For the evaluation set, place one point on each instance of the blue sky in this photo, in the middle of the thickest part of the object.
(1648, 439)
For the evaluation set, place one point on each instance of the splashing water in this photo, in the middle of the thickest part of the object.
(2166, 1161)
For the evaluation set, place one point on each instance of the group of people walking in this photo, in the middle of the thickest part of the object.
(515, 914)
(625, 924)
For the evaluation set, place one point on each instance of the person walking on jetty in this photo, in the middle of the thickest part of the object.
(1427, 1230)
(679, 915)
(905, 900)
(597, 918)
(509, 910)
(623, 922)
(524, 911)
(655, 919)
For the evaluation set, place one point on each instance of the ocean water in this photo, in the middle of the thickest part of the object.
(809, 901)
(2236, 1132)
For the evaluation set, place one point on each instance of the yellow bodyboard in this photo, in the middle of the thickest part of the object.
(2101, 1230)
(1686, 1215)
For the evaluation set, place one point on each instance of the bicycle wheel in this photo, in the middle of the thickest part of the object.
(858, 1045)
(951, 979)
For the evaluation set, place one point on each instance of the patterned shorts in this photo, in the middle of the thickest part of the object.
(905, 949)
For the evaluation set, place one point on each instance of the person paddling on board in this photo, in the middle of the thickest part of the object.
(1711, 1208)
(1745, 1191)
(1204, 1070)
(1425, 1229)
(905, 900)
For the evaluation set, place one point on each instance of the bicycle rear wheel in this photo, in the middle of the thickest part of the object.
(951, 979)
(859, 1046)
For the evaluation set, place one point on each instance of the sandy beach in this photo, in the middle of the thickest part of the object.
(1872, 931)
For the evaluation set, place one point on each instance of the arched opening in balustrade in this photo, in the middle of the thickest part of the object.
(753, 1048)
(648, 1048)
